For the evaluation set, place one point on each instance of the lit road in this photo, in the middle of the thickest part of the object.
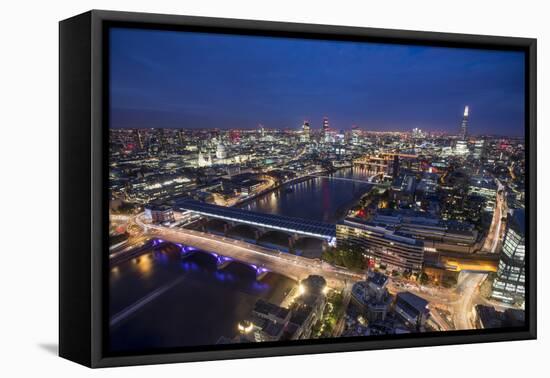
(467, 289)
(496, 229)
(293, 266)
(437, 298)
(459, 301)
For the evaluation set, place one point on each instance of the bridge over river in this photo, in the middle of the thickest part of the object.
(295, 267)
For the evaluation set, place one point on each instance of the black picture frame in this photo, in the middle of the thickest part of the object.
(83, 120)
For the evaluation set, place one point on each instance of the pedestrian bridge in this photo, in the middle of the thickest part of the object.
(289, 225)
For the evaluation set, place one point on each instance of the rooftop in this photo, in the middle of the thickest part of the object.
(419, 304)
(292, 224)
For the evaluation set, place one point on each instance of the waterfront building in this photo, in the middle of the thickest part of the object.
(308, 307)
(270, 311)
(438, 234)
(383, 246)
(159, 213)
(412, 309)
(509, 284)
(267, 322)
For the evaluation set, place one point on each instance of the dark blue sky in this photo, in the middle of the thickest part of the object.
(199, 80)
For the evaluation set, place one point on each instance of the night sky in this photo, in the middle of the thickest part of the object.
(199, 80)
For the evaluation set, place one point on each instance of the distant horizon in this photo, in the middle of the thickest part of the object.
(256, 129)
(185, 80)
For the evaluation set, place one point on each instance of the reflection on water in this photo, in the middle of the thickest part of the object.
(322, 199)
(207, 303)
(199, 303)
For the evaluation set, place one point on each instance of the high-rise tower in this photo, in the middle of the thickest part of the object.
(306, 131)
(509, 284)
(464, 126)
(326, 127)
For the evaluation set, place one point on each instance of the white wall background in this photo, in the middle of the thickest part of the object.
(29, 185)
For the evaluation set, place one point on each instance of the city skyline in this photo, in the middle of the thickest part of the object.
(296, 231)
(162, 79)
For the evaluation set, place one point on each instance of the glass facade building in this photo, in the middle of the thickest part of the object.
(509, 284)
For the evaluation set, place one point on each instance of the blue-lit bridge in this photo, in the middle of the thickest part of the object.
(295, 227)
(360, 181)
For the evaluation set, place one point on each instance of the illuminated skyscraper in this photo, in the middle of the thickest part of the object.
(479, 149)
(509, 284)
(326, 126)
(417, 133)
(306, 131)
(139, 140)
(464, 126)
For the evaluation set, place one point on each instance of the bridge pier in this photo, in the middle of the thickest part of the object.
(222, 262)
(291, 242)
(261, 272)
(261, 276)
(257, 235)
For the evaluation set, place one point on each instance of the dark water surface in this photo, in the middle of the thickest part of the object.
(200, 303)
(322, 199)
(162, 301)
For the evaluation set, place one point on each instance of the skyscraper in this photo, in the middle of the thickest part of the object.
(326, 126)
(306, 131)
(464, 126)
(479, 149)
(181, 136)
(509, 284)
(139, 140)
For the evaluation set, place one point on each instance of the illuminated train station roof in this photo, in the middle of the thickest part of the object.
(276, 222)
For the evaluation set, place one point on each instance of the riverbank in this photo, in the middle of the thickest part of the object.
(319, 196)
(293, 181)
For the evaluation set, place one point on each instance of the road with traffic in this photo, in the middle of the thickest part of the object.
(295, 267)
(496, 228)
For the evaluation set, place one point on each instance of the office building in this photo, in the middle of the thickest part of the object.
(383, 246)
(509, 284)
(464, 125)
(159, 213)
(306, 132)
(412, 310)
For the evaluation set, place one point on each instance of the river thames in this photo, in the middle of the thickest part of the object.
(160, 301)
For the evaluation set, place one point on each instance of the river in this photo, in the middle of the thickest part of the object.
(320, 198)
(160, 301)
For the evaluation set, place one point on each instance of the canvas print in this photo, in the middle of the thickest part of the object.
(270, 189)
